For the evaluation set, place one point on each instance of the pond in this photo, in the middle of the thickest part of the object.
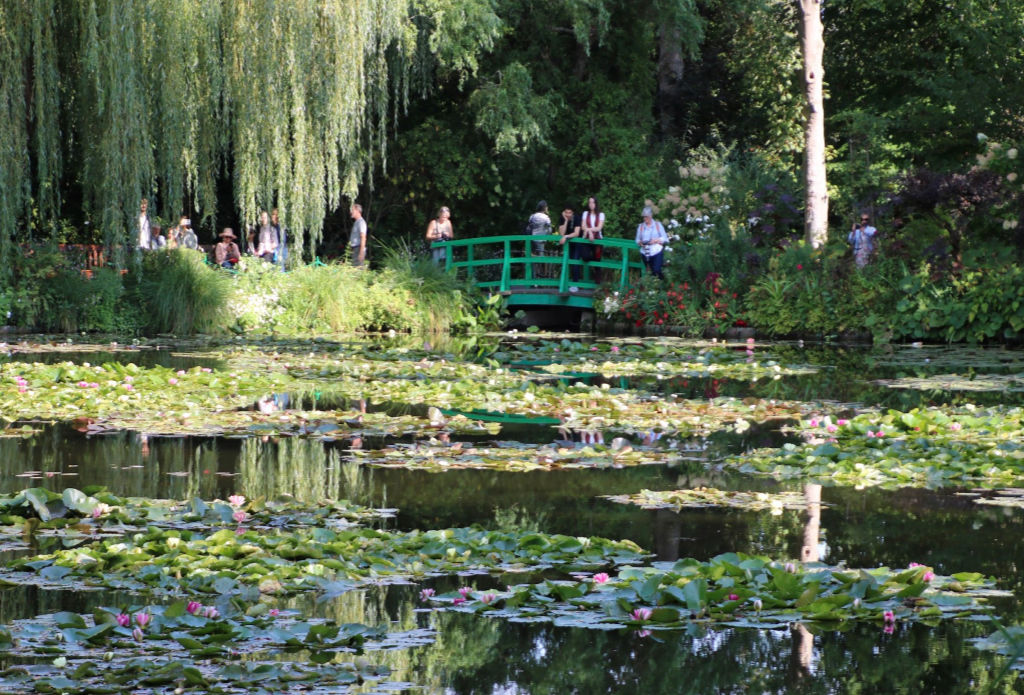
(526, 440)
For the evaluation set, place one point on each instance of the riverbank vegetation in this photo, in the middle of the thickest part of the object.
(178, 292)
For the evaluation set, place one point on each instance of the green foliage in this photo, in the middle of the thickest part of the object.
(821, 293)
(183, 294)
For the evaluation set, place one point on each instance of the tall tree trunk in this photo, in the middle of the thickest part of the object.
(812, 45)
(670, 80)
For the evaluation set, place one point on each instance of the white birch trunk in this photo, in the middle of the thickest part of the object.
(812, 46)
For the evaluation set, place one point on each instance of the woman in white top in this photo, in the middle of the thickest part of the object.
(592, 224)
(651, 238)
(591, 227)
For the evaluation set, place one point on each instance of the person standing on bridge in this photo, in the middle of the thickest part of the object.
(651, 238)
(570, 229)
(592, 226)
(539, 224)
(440, 229)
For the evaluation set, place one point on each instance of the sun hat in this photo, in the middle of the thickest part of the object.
(228, 233)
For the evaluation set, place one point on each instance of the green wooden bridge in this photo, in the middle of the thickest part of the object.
(507, 265)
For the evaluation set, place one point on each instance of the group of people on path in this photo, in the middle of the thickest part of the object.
(267, 240)
(151, 236)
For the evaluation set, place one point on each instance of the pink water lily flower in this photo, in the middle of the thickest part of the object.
(210, 612)
(912, 565)
(889, 617)
(733, 597)
(464, 591)
(458, 601)
(615, 348)
(641, 614)
(83, 384)
(236, 500)
(955, 426)
(274, 612)
(870, 434)
(841, 422)
(180, 372)
(239, 516)
(207, 370)
(194, 607)
(137, 634)
(426, 594)
(172, 381)
(124, 620)
(487, 598)
(928, 576)
(143, 619)
(600, 577)
(813, 422)
(831, 428)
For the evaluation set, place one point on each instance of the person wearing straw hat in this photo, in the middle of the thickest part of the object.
(226, 253)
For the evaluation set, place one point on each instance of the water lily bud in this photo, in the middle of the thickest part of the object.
(109, 656)
(137, 634)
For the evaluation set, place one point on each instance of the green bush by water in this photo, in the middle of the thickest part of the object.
(178, 292)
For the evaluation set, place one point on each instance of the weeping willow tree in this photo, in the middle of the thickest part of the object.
(165, 98)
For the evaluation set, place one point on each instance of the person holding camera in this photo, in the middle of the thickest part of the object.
(861, 238)
(440, 229)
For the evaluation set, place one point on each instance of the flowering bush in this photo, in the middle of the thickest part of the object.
(695, 307)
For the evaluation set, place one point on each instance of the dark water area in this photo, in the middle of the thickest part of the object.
(476, 654)
(141, 357)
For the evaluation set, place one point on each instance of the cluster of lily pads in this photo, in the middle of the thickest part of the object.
(76, 514)
(734, 589)
(248, 560)
(511, 456)
(201, 647)
(926, 447)
(704, 497)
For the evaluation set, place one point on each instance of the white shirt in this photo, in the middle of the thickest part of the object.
(654, 232)
(145, 238)
(589, 219)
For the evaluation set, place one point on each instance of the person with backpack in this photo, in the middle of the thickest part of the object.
(651, 238)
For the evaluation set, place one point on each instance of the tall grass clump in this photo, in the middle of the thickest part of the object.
(183, 294)
(443, 300)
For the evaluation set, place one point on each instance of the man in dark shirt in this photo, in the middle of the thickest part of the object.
(569, 228)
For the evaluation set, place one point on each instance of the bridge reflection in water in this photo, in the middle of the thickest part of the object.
(508, 265)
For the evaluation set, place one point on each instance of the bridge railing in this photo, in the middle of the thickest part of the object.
(518, 266)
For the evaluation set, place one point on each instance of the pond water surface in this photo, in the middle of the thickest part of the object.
(464, 653)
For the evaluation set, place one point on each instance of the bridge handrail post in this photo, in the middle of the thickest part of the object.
(563, 280)
(506, 268)
(624, 276)
(448, 252)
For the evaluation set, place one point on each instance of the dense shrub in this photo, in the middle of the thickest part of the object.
(179, 292)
